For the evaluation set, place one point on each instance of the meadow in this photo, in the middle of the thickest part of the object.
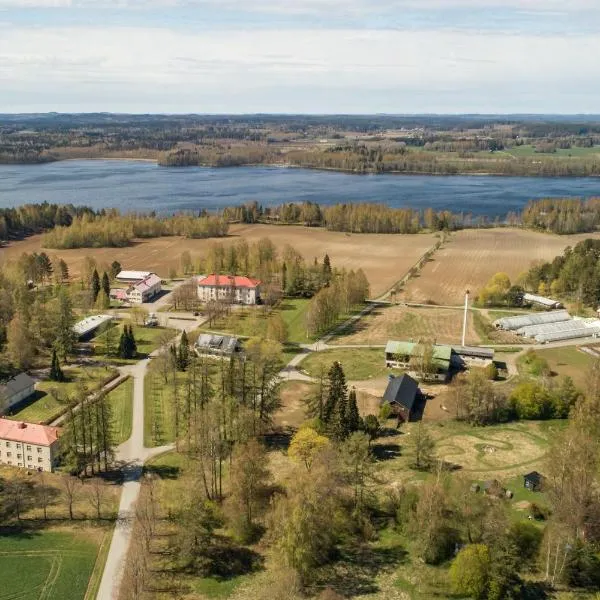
(121, 404)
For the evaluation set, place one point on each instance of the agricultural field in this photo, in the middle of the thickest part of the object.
(472, 256)
(51, 397)
(47, 564)
(383, 258)
(121, 404)
(575, 151)
(443, 325)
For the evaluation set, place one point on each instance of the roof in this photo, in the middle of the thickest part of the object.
(511, 323)
(147, 283)
(28, 433)
(90, 323)
(401, 390)
(16, 385)
(533, 476)
(228, 281)
(441, 354)
(134, 275)
(474, 351)
(221, 343)
(541, 300)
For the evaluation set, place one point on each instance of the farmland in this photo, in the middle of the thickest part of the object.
(444, 325)
(474, 255)
(568, 361)
(384, 258)
(48, 564)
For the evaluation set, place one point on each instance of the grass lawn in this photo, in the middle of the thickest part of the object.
(528, 150)
(121, 403)
(147, 339)
(358, 363)
(159, 422)
(293, 312)
(51, 397)
(40, 565)
(567, 361)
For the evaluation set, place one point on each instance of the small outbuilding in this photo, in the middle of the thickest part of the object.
(217, 345)
(401, 394)
(15, 390)
(533, 481)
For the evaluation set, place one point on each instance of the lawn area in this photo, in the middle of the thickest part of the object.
(159, 421)
(147, 339)
(358, 363)
(121, 403)
(569, 361)
(42, 564)
(293, 312)
(575, 151)
(51, 397)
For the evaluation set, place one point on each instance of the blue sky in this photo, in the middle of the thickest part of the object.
(307, 56)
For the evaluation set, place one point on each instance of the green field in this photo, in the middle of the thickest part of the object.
(568, 361)
(44, 565)
(147, 339)
(574, 152)
(358, 363)
(51, 397)
(159, 423)
(121, 402)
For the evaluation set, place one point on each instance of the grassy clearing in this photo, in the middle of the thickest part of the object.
(293, 407)
(358, 363)
(47, 564)
(121, 402)
(568, 361)
(159, 421)
(575, 152)
(148, 339)
(51, 397)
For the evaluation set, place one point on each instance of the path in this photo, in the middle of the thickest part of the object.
(131, 455)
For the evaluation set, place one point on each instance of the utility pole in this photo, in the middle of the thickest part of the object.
(464, 331)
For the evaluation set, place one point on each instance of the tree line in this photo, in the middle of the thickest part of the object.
(562, 215)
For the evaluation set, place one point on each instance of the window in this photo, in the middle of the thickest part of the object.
(29, 448)
(18, 456)
(39, 449)
(40, 459)
(29, 458)
(8, 444)
(9, 454)
(18, 445)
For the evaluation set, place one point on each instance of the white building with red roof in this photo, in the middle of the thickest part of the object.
(229, 288)
(28, 445)
(144, 290)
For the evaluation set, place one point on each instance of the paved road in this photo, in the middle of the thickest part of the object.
(131, 455)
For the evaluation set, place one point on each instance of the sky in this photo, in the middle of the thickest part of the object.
(300, 56)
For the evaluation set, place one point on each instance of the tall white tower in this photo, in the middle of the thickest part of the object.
(464, 333)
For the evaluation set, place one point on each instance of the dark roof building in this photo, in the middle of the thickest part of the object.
(217, 345)
(533, 481)
(401, 394)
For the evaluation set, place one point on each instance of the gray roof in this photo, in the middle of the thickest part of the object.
(474, 351)
(226, 344)
(401, 390)
(16, 385)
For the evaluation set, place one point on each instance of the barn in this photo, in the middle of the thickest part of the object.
(401, 394)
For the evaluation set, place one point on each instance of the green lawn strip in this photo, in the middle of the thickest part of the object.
(217, 588)
(51, 397)
(358, 363)
(159, 423)
(147, 339)
(58, 564)
(121, 403)
(96, 578)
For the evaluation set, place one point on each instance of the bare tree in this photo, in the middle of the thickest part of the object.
(69, 486)
(95, 496)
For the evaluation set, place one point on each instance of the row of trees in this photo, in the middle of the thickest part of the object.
(563, 216)
(114, 230)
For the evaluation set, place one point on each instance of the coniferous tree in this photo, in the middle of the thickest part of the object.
(336, 391)
(95, 286)
(132, 343)
(115, 269)
(326, 269)
(56, 373)
(105, 284)
(183, 353)
(338, 423)
(352, 414)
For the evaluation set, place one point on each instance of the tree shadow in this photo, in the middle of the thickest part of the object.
(279, 439)
(163, 471)
(356, 568)
(386, 451)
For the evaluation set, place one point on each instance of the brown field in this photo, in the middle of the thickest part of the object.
(384, 258)
(473, 256)
(443, 325)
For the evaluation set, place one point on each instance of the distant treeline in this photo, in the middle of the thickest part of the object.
(112, 229)
(563, 216)
(575, 274)
(33, 218)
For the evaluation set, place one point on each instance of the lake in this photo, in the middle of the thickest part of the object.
(144, 186)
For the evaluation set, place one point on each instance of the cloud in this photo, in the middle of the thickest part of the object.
(156, 69)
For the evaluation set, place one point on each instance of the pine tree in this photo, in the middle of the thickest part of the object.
(115, 269)
(127, 345)
(106, 284)
(64, 270)
(284, 277)
(122, 349)
(352, 414)
(336, 391)
(326, 269)
(95, 286)
(183, 355)
(56, 373)
(132, 343)
(339, 425)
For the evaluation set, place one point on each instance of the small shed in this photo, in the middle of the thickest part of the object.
(401, 394)
(533, 481)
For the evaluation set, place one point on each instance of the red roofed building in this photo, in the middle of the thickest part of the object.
(28, 445)
(229, 288)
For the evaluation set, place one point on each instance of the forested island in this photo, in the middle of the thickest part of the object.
(512, 145)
